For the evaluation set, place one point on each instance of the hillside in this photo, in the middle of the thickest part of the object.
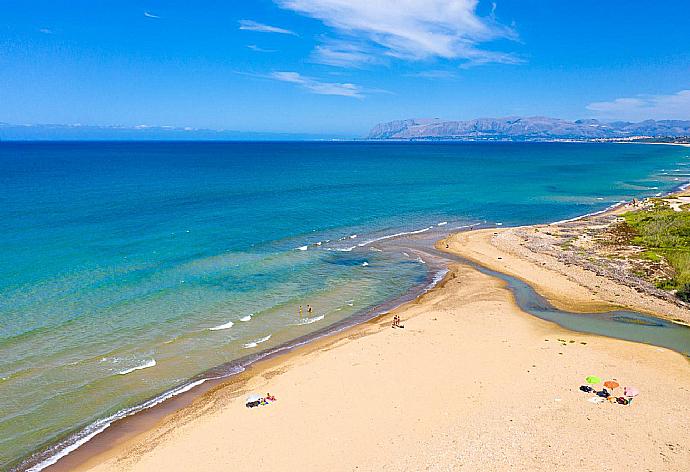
(525, 128)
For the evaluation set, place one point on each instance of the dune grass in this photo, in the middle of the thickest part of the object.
(663, 232)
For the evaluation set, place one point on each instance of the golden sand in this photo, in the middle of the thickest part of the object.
(471, 383)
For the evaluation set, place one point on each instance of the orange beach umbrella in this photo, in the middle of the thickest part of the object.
(611, 384)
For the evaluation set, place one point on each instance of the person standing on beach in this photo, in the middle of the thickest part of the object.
(309, 310)
(300, 311)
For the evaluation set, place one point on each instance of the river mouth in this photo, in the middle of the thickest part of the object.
(619, 324)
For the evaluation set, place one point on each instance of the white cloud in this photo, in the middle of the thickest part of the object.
(256, 48)
(674, 107)
(404, 29)
(319, 87)
(45, 31)
(151, 15)
(344, 54)
(433, 74)
(250, 25)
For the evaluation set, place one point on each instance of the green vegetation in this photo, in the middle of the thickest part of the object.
(663, 232)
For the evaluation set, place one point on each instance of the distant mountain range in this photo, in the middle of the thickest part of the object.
(47, 132)
(535, 128)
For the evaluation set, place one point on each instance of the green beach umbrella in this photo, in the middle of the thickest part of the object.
(593, 379)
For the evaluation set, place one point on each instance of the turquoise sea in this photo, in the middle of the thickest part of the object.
(128, 270)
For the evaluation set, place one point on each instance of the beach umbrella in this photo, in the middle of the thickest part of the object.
(611, 384)
(253, 398)
(631, 391)
(593, 379)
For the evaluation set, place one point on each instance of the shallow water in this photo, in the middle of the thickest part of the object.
(128, 268)
(620, 324)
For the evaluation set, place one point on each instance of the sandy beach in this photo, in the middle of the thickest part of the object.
(470, 383)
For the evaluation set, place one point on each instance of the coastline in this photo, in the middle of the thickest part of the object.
(567, 284)
(101, 435)
(577, 301)
(129, 451)
(390, 379)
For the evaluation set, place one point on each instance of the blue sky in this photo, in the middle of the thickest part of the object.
(339, 66)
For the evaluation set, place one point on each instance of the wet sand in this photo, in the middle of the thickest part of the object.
(470, 383)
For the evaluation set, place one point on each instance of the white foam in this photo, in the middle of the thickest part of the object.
(247, 318)
(306, 321)
(594, 213)
(364, 264)
(342, 249)
(381, 238)
(145, 365)
(257, 342)
(437, 278)
(442, 223)
(420, 260)
(396, 235)
(227, 325)
(101, 425)
(303, 248)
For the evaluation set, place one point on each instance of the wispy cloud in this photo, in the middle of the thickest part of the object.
(319, 87)
(404, 29)
(433, 74)
(45, 31)
(250, 25)
(151, 15)
(674, 106)
(343, 53)
(256, 48)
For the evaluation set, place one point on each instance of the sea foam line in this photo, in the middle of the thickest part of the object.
(145, 365)
(306, 321)
(438, 277)
(382, 238)
(594, 213)
(257, 342)
(227, 325)
(75, 441)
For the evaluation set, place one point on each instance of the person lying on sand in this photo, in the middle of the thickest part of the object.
(270, 397)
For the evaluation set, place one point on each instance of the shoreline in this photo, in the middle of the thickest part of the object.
(97, 437)
(510, 251)
(174, 403)
(180, 433)
(96, 453)
(235, 381)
